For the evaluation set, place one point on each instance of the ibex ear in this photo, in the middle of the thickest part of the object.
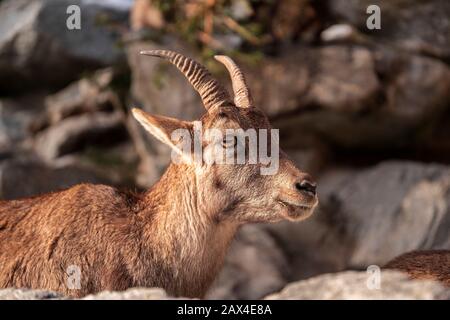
(162, 127)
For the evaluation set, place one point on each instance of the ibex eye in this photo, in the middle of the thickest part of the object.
(229, 142)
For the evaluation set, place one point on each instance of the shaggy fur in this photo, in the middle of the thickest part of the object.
(428, 264)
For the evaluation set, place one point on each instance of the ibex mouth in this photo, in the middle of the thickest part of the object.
(295, 211)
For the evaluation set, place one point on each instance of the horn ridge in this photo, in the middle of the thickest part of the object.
(242, 96)
(212, 93)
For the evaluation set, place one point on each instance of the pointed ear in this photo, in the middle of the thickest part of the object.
(161, 127)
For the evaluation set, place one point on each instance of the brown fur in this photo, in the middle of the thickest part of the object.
(429, 264)
(174, 236)
(119, 240)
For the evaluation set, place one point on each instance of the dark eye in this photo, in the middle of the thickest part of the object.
(229, 142)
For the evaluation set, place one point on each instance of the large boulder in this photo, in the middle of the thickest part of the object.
(21, 178)
(335, 78)
(352, 97)
(339, 286)
(418, 26)
(37, 49)
(130, 294)
(353, 285)
(28, 294)
(74, 133)
(88, 94)
(16, 119)
(369, 217)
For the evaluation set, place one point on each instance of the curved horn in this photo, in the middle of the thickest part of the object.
(242, 96)
(210, 90)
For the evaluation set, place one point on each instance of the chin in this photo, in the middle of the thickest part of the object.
(294, 212)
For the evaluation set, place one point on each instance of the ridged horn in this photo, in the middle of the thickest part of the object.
(242, 96)
(213, 94)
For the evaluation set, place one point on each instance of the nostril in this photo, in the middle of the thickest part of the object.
(306, 185)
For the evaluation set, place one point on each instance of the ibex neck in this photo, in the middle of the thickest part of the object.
(189, 242)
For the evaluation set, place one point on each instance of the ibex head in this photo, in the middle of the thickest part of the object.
(227, 151)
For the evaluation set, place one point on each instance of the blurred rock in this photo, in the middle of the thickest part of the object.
(86, 95)
(418, 26)
(312, 160)
(76, 132)
(16, 118)
(393, 208)
(241, 9)
(352, 285)
(116, 162)
(28, 294)
(369, 217)
(131, 294)
(345, 79)
(342, 33)
(289, 17)
(348, 285)
(335, 78)
(38, 50)
(254, 267)
(29, 177)
(350, 97)
(417, 88)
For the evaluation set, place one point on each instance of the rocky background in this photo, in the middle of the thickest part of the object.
(365, 111)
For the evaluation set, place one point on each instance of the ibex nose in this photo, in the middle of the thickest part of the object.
(306, 186)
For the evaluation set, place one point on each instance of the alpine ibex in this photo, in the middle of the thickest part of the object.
(426, 264)
(175, 235)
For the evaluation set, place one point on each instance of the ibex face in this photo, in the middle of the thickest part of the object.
(240, 172)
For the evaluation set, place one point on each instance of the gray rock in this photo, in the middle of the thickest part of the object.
(28, 294)
(352, 285)
(73, 133)
(25, 178)
(418, 26)
(254, 267)
(352, 97)
(37, 49)
(335, 78)
(341, 33)
(131, 294)
(16, 118)
(369, 217)
(86, 95)
(417, 89)
(241, 9)
(345, 285)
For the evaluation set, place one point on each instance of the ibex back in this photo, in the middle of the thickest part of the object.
(425, 264)
(173, 236)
